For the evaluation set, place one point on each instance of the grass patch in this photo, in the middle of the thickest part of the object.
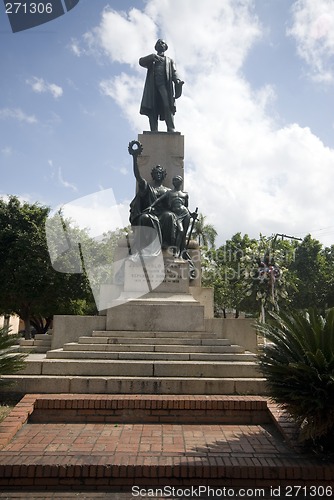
(7, 403)
(5, 409)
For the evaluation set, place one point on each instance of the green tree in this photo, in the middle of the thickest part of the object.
(203, 232)
(234, 270)
(213, 277)
(310, 267)
(328, 254)
(31, 288)
(226, 273)
(268, 279)
(235, 250)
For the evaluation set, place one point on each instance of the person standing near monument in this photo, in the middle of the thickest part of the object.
(162, 87)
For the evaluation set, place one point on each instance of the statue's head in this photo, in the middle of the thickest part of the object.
(177, 181)
(158, 173)
(161, 46)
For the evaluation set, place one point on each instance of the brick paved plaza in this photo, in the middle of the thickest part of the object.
(110, 443)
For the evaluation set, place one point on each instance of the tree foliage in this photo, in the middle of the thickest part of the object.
(223, 269)
(267, 278)
(204, 233)
(30, 287)
(241, 278)
(313, 268)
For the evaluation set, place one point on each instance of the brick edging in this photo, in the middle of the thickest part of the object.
(148, 401)
(16, 419)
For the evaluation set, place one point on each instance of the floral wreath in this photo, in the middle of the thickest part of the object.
(135, 148)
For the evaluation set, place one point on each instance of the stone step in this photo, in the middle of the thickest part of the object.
(139, 368)
(216, 349)
(152, 340)
(40, 344)
(26, 343)
(37, 349)
(43, 336)
(43, 342)
(62, 384)
(153, 334)
(174, 356)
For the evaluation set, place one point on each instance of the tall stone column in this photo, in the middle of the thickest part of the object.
(162, 148)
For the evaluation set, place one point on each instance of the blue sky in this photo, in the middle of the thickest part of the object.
(257, 109)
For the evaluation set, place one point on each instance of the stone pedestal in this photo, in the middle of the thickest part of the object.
(162, 148)
(158, 312)
(166, 303)
(157, 275)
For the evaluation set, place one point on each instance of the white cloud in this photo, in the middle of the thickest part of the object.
(242, 169)
(124, 171)
(17, 114)
(98, 213)
(56, 173)
(75, 47)
(63, 182)
(122, 36)
(39, 85)
(313, 30)
(7, 151)
(126, 91)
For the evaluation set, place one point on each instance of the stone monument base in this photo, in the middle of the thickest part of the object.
(160, 312)
(168, 304)
(161, 274)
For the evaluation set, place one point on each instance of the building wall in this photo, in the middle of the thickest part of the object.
(13, 322)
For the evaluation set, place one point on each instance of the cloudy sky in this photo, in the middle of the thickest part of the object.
(256, 111)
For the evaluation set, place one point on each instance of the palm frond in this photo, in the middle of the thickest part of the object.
(298, 362)
(10, 361)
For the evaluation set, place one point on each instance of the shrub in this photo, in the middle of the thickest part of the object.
(10, 361)
(298, 362)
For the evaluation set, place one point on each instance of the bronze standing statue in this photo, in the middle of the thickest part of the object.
(162, 87)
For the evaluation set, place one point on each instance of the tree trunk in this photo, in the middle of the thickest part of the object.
(27, 326)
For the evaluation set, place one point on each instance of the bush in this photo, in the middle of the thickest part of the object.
(298, 362)
(10, 361)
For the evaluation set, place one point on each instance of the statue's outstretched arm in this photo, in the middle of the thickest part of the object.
(135, 149)
(147, 61)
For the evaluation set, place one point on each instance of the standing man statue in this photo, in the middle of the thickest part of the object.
(162, 87)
